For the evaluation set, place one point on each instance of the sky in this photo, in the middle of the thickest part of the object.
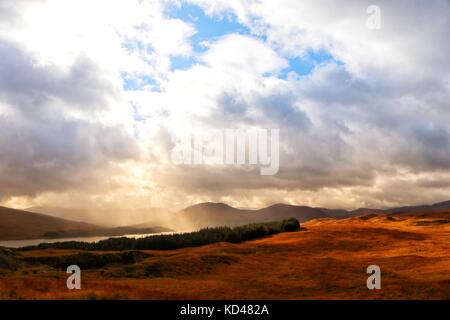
(94, 94)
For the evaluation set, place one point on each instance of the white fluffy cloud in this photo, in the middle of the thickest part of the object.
(66, 122)
(368, 127)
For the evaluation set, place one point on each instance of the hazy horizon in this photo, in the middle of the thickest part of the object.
(153, 216)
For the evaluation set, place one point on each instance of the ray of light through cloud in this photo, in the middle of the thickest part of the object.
(94, 94)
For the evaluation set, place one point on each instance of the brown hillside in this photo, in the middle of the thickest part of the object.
(21, 225)
(327, 260)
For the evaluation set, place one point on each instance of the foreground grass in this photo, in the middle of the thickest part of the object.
(180, 240)
(327, 260)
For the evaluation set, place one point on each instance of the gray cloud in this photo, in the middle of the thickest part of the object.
(31, 88)
(43, 149)
(364, 130)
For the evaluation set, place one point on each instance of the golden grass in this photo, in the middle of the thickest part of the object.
(328, 260)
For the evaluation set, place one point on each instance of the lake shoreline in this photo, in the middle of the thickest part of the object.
(16, 244)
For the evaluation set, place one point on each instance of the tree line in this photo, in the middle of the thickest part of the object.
(181, 240)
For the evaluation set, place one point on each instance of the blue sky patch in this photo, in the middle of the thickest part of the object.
(137, 83)
(208, 28)
(182, 63)
(306, 65)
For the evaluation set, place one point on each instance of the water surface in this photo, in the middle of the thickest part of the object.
(34, 242)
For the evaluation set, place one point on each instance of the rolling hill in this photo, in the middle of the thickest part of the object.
(217, 214)
(440, 207)
(24, 225)
(105, 217)
(327, 259)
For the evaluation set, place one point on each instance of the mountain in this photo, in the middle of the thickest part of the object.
(280, 210)
(107, 217)
(219, 214)
(75, 214)
(209, 214)
(366, 211)
(440, 207)
(22, 225)
(434, 208)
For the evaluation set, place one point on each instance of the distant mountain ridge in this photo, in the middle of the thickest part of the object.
(215, 214)
(22, 225)
(440, 207)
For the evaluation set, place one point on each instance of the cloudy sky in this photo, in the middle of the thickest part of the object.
(94, 93)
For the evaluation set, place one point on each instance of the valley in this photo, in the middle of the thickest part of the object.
(326, 259)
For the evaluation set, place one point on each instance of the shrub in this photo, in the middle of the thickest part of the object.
(87, 260)
(290, 225)
(8, 259)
